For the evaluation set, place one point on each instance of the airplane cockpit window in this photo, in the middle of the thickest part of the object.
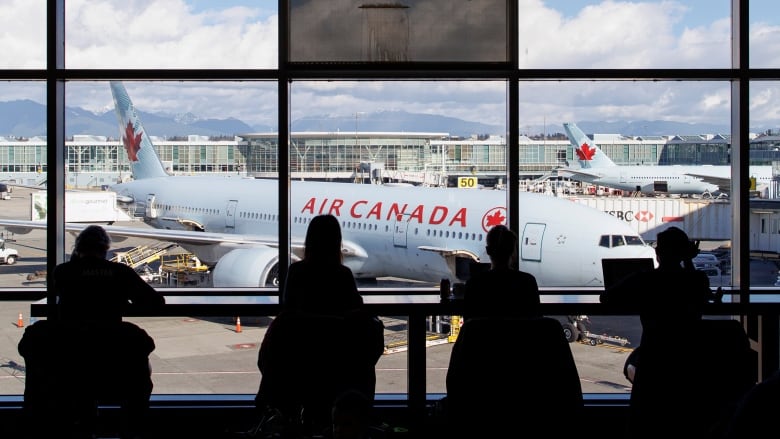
(634, 240)
(604, 241)
(617, 240)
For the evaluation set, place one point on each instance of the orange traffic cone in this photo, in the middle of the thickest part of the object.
(238, 324)
(20, 322)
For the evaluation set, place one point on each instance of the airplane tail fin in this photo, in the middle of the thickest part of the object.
(144, 161)
(588, 153)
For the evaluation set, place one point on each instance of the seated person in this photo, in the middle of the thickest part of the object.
(88, 338)
(503, 289)
(322, 343)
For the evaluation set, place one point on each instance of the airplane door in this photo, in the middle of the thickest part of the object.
(623, 177)
(399, 232)
(151, 208)
(531, 242)
(230, 214)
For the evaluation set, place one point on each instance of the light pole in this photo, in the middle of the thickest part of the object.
(357, 145)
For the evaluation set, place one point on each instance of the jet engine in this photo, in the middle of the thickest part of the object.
(247, 268)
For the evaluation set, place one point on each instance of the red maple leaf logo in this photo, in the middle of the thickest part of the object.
(494, 217)
(132, 142)
(585, 152)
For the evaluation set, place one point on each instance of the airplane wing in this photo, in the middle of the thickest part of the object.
(226, 241)
(40, 186)
(581, 172)
(119, 233)
(449, 251)
(724, 184)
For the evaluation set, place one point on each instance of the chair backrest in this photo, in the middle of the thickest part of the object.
(72, 366)
(708, 367)
(508, 375)
(307, 360)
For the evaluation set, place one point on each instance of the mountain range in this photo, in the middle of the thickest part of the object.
(26, 118)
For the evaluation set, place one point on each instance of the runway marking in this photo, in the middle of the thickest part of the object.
(253, 372)
(236, 372)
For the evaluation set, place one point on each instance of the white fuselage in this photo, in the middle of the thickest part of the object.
(666, 179)
(406, 232)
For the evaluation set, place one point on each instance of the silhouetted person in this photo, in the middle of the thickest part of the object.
(493, 389)
(91, 288)
(320, 282)
(503, 289)
(322, 342)
(671, 297)
(87, 353)
(670, 376)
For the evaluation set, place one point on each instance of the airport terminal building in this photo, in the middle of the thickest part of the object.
(424, 158)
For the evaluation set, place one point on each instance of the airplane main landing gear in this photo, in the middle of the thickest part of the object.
(575, 327)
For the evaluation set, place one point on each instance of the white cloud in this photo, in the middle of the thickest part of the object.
(167, 34)
(23, 39)
(608, 34)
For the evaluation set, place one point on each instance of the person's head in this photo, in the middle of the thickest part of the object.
(501, 246)
(672, 246)
(351, 415)
(92, 242)
(323, 239)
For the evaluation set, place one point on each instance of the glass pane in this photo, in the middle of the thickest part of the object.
(401, 31)
(170, 35)
(22, 172)
(764, 217)
(24, 34)
(598, 34)
(612, 145)
(22, 250)
(386, 159)
(171, 156)
(764, 34)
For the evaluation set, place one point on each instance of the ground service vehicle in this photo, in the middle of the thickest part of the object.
(7, 255)
(5, 191)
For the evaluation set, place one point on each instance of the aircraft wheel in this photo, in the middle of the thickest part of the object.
(273, 277)
(570, 332)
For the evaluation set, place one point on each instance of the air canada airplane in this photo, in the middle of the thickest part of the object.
(417, 233)
(597, 168)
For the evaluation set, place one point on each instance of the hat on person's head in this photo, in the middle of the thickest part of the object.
(675, 241)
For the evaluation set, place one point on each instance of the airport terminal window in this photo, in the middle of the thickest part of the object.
(553, 81)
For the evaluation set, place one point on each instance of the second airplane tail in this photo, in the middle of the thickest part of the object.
(589, 155)
(144, 161)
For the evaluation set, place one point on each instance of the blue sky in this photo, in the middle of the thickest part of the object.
(699, 12)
